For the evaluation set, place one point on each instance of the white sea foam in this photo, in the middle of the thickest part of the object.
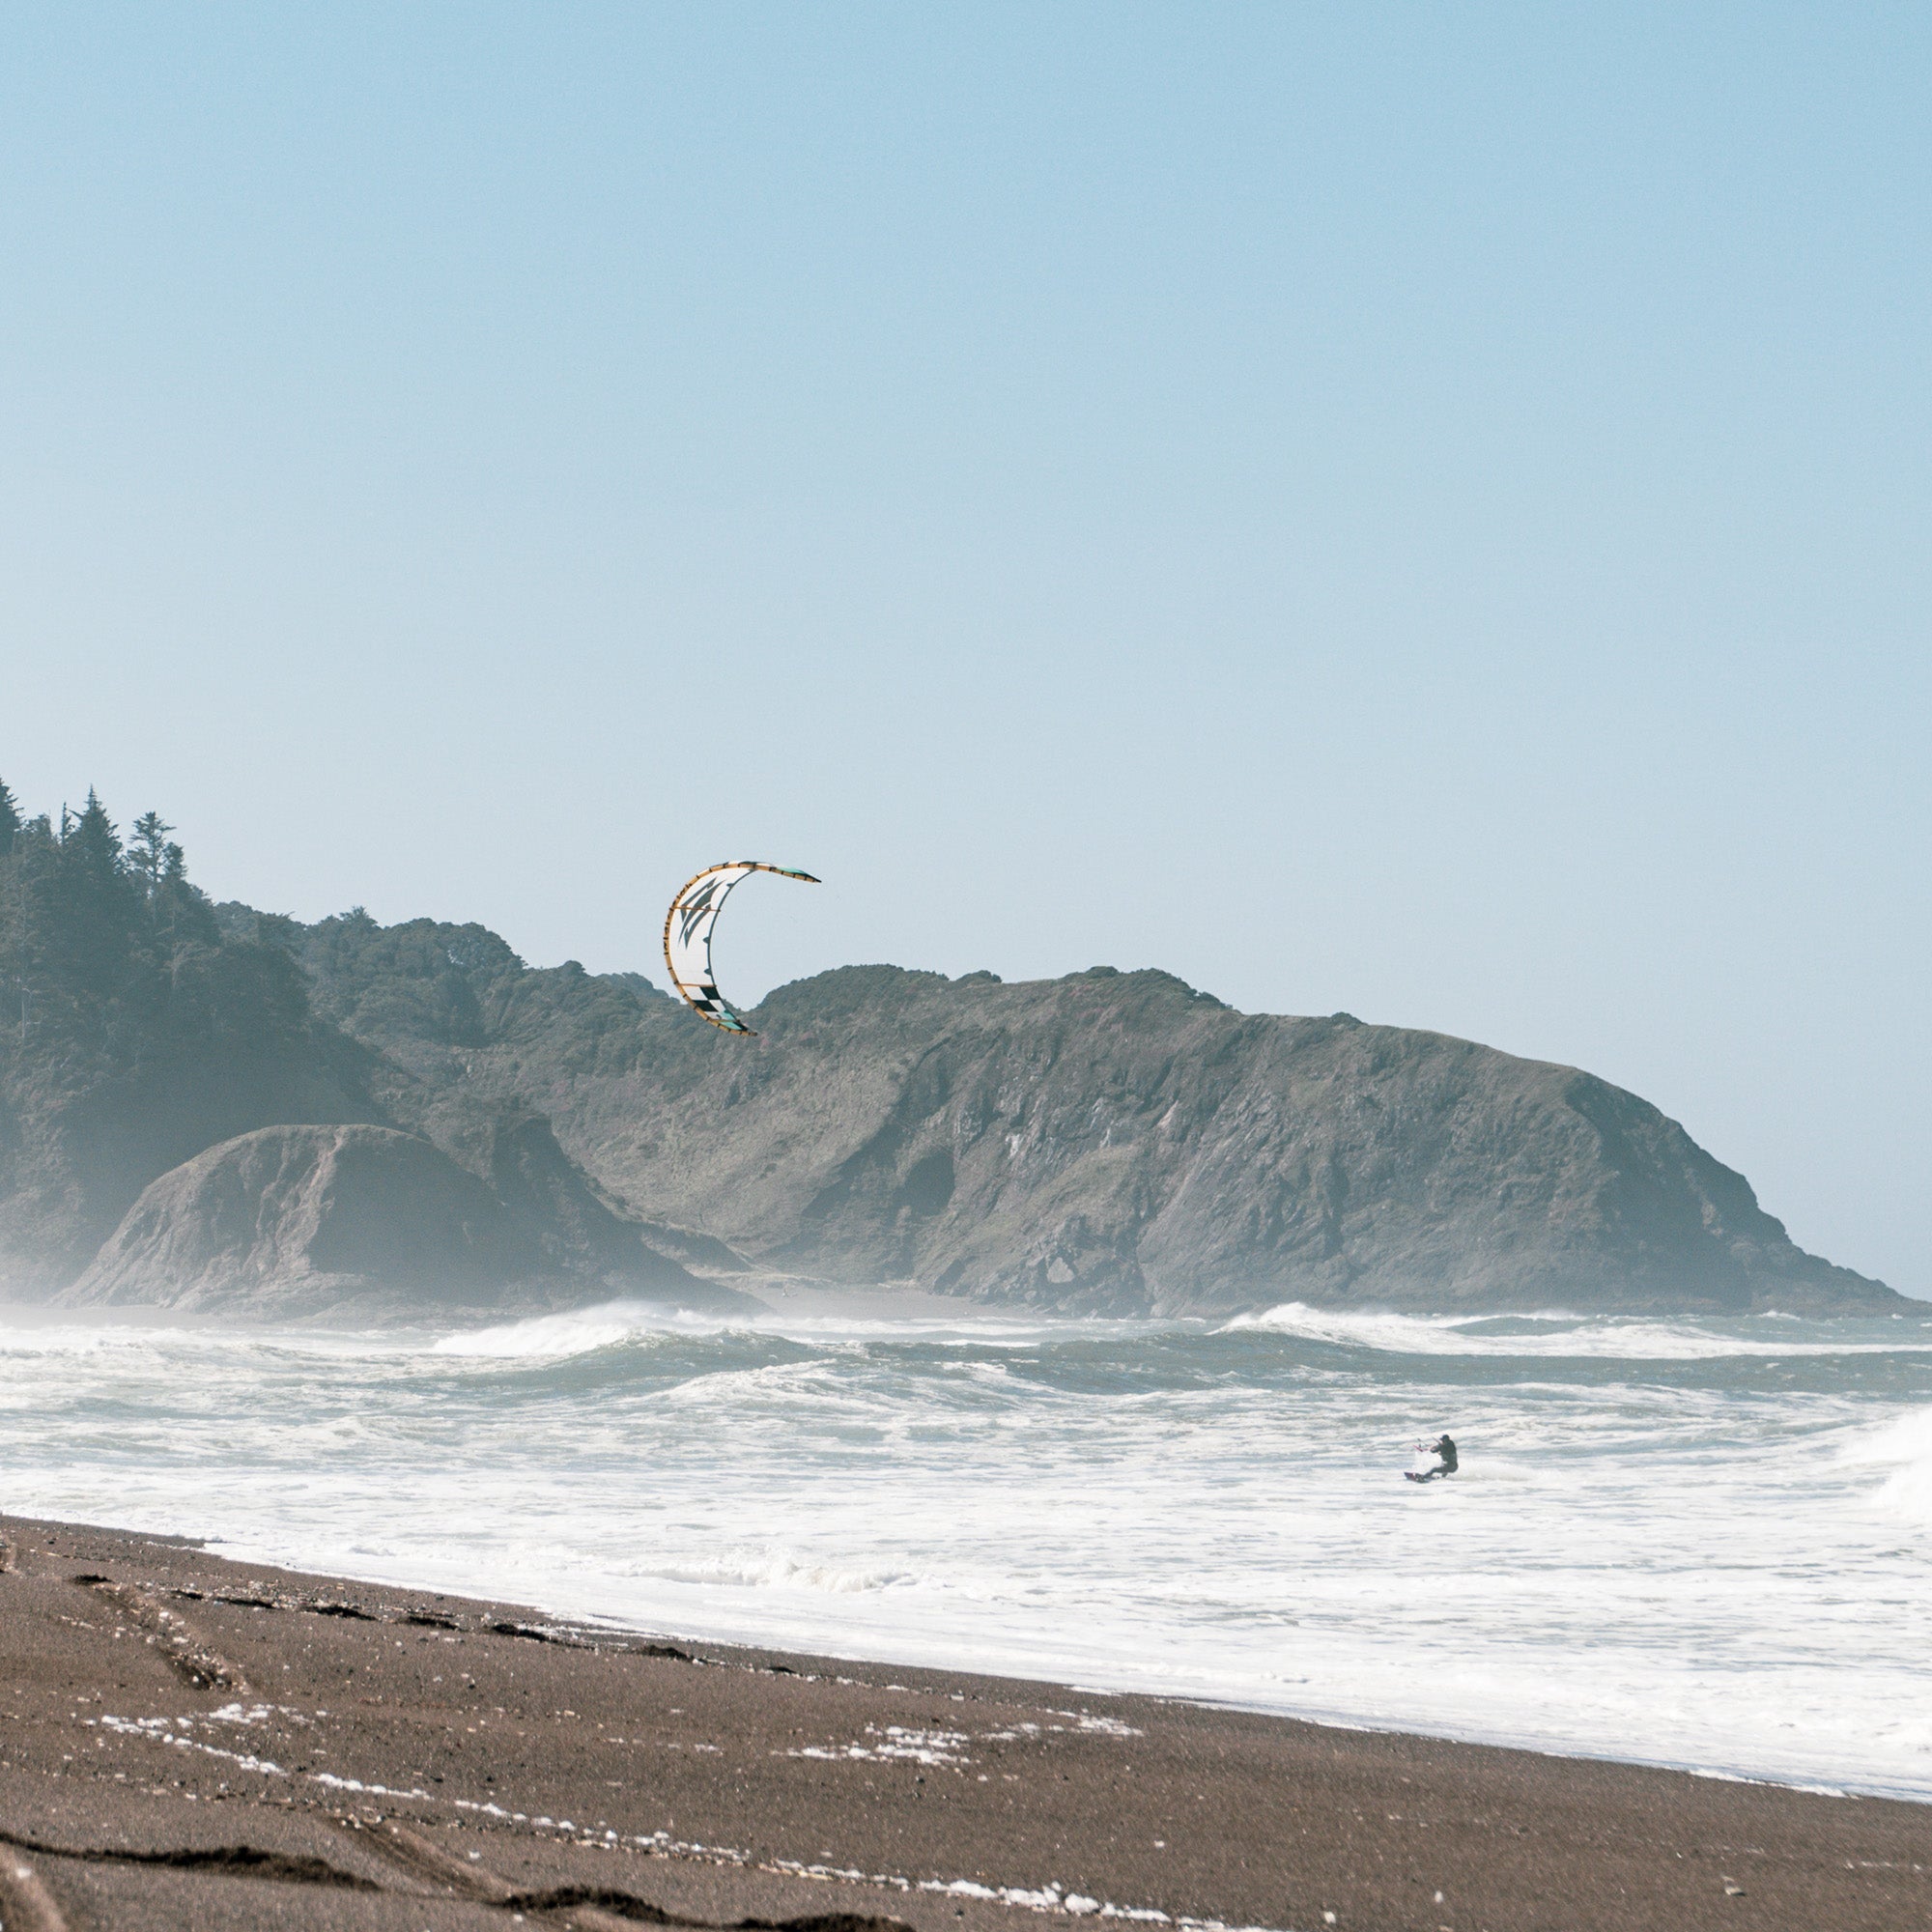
(1704, 1544)
(1903, 1448)
(774, 1569)
(578, 1332)
(585, 1330)
(1556, 1336)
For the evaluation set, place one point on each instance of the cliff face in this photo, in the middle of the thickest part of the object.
(100, 1096)
(1116, 1142)
(1104, 1142)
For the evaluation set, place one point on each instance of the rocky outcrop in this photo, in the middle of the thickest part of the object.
(410, 1112)
(305, 1220)
(1118, 1142)
(1107, 1141)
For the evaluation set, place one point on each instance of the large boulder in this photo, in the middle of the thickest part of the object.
(300, 1220)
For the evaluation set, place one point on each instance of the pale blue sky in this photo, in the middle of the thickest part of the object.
(1419, 510)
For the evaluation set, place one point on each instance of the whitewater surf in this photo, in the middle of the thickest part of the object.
(1698, 1542)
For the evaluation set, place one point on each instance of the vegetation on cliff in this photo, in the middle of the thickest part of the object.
(140, 1029)
(133, 1032)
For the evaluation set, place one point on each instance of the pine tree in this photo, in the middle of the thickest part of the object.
(95, 842)
(181, 909)
(148, 855)
(10, 821)
(96, 905)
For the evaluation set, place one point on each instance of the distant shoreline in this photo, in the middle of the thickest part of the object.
(154, 1690)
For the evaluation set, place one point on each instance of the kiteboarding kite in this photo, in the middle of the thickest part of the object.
(689, 925)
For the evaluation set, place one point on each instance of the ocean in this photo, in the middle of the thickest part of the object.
(1700, 1543)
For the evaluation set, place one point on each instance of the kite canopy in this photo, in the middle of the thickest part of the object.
(688, 928)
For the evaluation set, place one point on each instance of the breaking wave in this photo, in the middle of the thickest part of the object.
(1559, 1335)
(1903, 1447)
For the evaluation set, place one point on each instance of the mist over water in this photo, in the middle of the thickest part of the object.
(1705, 1543)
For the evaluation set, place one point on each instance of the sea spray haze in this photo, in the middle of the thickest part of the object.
(1696, 1542)
(135, 1034)
(178, 1127)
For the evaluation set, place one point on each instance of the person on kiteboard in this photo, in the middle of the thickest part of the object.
(1445, 1449)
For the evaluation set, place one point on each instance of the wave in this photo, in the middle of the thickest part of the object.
(115, 1340)
(578, 1332)
(615, 1323)
(1904, 1444)
(1615, 1337)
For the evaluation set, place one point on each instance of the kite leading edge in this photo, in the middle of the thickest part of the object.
(688, 928)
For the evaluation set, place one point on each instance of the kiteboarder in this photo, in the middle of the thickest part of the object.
(1444, 1448)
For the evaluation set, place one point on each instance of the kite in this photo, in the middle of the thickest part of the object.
(688, 928)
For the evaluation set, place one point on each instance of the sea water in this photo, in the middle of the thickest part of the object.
(1703, 1543)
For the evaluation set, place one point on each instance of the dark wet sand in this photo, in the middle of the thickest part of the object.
(196, 1743)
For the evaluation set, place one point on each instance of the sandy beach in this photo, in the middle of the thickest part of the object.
(194, 1743)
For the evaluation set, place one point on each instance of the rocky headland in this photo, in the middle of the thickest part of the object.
(1108, 1142)
(213, 1107)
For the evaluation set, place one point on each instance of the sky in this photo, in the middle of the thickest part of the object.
(1419, 511)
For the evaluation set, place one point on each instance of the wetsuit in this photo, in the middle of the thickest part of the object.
(1447, 1449)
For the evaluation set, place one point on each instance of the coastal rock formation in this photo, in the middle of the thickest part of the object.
(423, 1119)
(1119, 1141)
(301, 1220)
(1109, 1141)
